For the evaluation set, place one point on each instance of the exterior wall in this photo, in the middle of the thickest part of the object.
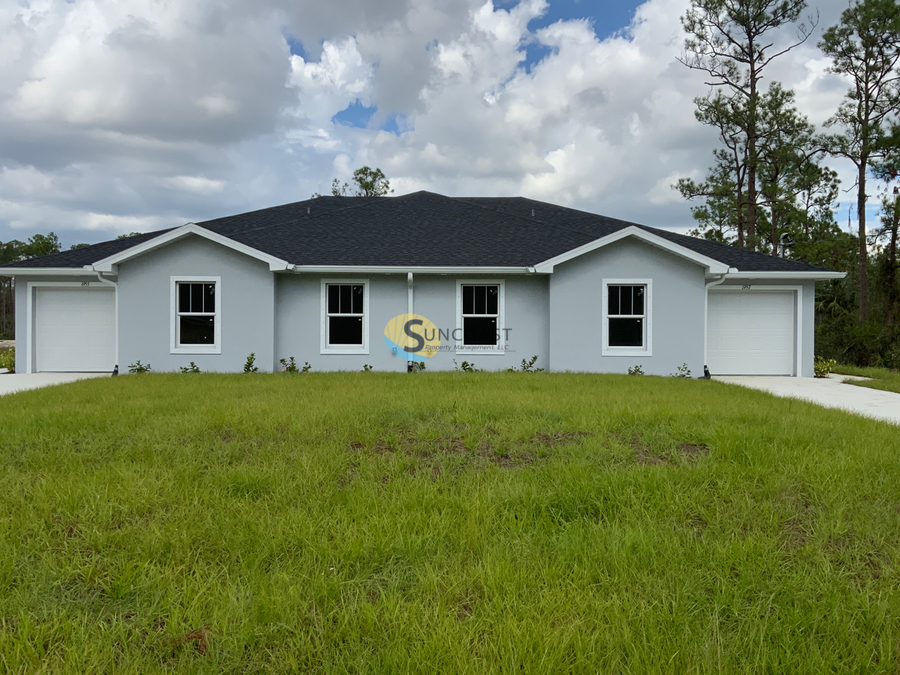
(22, 318)
(298, 320)
(145, 314)
(807, 325)
(677, 309)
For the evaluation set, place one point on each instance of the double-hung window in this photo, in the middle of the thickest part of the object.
(345, 317)
(626, 317)
(480, 315)
(196, 315)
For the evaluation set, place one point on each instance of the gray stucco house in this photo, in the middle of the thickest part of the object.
(332, 281)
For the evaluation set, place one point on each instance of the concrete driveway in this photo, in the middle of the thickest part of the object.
(10, 383)
(830, 392)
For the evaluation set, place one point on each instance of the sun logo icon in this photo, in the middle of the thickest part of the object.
(412, 337)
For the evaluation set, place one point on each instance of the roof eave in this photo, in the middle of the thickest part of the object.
(404, 269)
(796, 274)
(45, 271)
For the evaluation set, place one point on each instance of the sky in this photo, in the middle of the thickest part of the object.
(122, 116)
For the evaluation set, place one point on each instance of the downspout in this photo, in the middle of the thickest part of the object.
(115, 286)
(709, 284)
(409, 308)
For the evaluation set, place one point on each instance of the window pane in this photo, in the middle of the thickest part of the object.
(638, 299)
(613, 295)
(493, 300)
(480, 331)
(197, 330)
(480, 299)
(357, 300)
(468, 299)
(345, 300)
(625, 297)
(184, 297)
(626, 332)
(345, 330)
(196, 297)
(209, 300)
(334, 298)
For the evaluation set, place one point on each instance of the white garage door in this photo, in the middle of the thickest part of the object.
(750, 333)
(74, 329)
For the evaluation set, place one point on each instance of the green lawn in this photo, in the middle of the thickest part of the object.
(443, 523)
(882, 378)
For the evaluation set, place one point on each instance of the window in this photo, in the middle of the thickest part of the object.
(196, 315)
(626, 317)
(345, 324)
(480, 317)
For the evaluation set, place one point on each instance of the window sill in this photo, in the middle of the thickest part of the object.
(344, 350)
(625, 351)
(196, 350)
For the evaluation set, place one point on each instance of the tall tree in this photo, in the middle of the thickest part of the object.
(865, 48)
(369, 183)
(730, 41)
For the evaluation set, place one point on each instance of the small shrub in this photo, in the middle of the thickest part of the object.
(138, 368)
(682, 371)
(289, 365)
(527, 366)
(822, 367)
(250, 365)
(8, 359)
(636, 370)
(464, 367)
(192, 368)
(415, 366)
(367, 368)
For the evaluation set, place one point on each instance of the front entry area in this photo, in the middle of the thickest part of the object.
(74, 329)
(751, 332)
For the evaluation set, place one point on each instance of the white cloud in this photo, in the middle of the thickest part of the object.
(121, 115)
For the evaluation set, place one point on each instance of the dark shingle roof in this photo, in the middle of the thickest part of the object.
(423, 229)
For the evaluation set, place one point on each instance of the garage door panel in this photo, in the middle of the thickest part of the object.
(74, 330)
(751, 333)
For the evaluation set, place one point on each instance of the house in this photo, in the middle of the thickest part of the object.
(345, 281)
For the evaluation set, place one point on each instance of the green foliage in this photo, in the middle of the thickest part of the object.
(250, 364)
(527, 366)
(822, 367)
(416, 366)
(39, 244)
(190, 368)
(367, 368)
(138, 368)
(368, 183)
(378, 523)
(464, 367)
(636, 370)
(289, 365)
(8, 359)
(681, 371)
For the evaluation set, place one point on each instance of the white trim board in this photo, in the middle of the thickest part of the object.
(712, 266)
(29, 312)
(392, 269)
(109, 264)
(47, 271)
(798, 317)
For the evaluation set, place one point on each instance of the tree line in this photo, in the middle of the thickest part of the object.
(767, 189)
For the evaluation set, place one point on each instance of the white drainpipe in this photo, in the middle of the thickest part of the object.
(709, 284)
(116, 289)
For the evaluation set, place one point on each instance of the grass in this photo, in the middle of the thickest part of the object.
(443, 523)
(881, 378)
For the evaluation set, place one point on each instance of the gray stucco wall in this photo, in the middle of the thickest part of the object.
(145, 315)
(807, 314)
(677, 310)
(298, 320)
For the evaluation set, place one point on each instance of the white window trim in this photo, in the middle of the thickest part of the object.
(500, 348)
(324, 347)
(174, 347)
(647, 350)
